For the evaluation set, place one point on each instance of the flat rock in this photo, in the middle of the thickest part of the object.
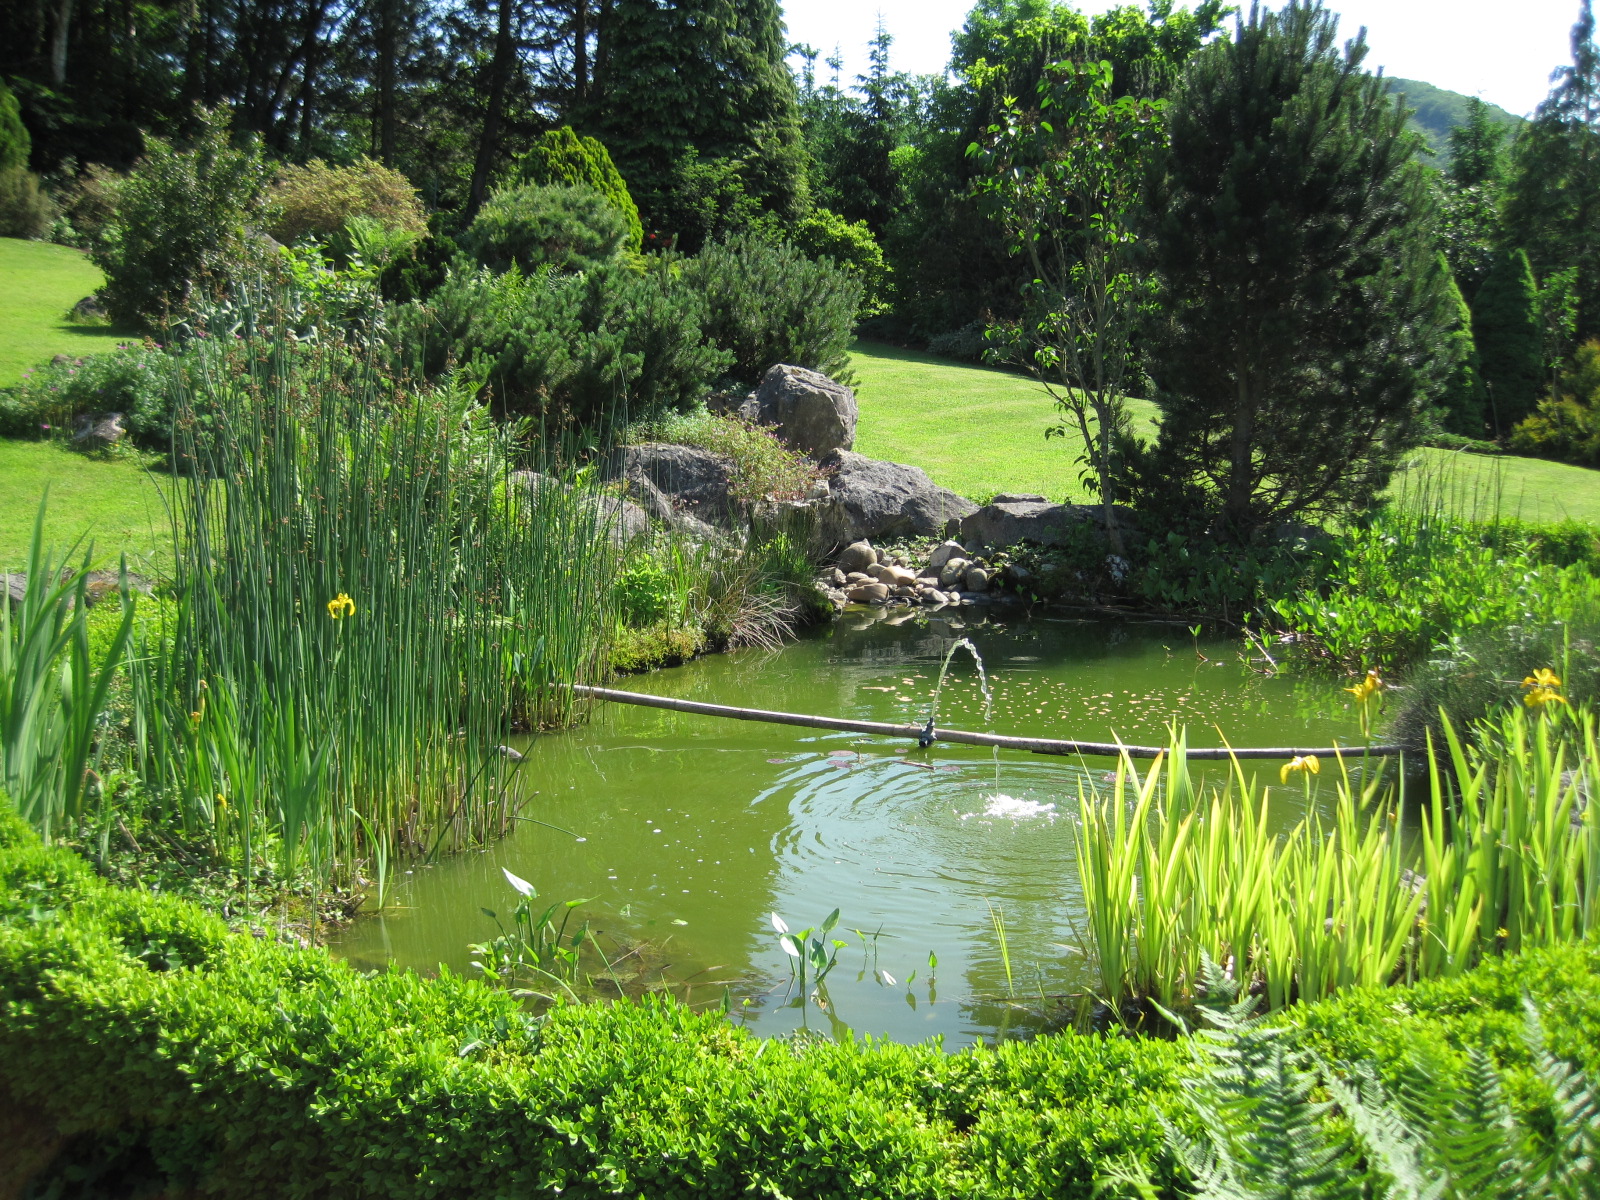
(871, 499)
(1018, 498)
(809, 411)
(1006, 524)
(868, 593)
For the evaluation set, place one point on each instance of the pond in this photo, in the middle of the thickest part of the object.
(686, 833)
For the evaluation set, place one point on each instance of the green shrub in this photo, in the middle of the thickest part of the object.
(181, 221)
(25, 211)
(560, 227)
(1566, 423)
(560, 156)
(319, 200)
(768, 303)
(825, 234)
(573, 351)
(135, 380)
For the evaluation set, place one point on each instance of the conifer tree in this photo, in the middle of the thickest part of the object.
(1302, 301)
(1506, 329)
(15, 143)
(699, 81)
(1462, 396)
(561, 157)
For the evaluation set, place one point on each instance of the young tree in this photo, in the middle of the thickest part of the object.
(1462, 397)
(1301, 300)
(1065, 172)
(1506, 329)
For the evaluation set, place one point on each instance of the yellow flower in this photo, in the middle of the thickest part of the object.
(341, 606)
(222, 801)
(1503, 933)
(1540, 689)
(1301, 762)
(1363, 691)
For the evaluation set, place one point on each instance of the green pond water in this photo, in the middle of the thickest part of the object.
(688, 832)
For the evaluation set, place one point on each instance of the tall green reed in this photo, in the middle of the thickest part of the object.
(1507, 857)
(368, 600)
(52, 692)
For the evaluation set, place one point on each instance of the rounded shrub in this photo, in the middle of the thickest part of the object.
(25, 210)
(319, 200)
(563, 227)
(15, 144)
(825, 234)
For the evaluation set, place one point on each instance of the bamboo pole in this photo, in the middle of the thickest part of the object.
(918, 732)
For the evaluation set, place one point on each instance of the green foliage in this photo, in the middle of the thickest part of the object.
(714, 70)
(1477, 145)
(25, 210)
(15, 143)
(320, 200)
(1444, 118)
(133, 379)
(565, 228)
(1505, 328)
(181, 223)
(561, 157)
(576, 352)
(1299, 322)
(1566, 424)
(850, 244)
(768, 303)
(763, 468)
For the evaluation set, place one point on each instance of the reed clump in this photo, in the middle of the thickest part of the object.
(1503, 855)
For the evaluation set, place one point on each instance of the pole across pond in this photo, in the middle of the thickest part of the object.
(926, 734)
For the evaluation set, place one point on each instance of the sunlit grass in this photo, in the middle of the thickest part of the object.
(116, 504)
(39, 284)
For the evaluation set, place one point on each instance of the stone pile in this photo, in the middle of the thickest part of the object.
(865, 574)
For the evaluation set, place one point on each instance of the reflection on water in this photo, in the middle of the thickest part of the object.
(690, 831)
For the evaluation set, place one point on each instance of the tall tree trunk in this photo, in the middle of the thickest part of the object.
(58, 42)
(580, 51)
(388, 52)
(499, 79)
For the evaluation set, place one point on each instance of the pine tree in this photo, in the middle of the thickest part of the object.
(1462, 397)
(1476, 148)
(699, 82)
(1301, 297)
(1506, 328)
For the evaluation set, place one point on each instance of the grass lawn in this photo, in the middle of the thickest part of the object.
(113, 503)
(980, 431)
(39, 284)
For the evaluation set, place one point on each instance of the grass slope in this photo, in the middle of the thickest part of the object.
(39, 284)
(981, 431)
(113, 503)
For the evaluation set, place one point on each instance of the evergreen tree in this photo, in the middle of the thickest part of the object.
(682, 86)
(562, 157)
(1301, 297)
(14, 140)
(1476, 148)
(1506, 329)
(1553, 199)
(1462, 397)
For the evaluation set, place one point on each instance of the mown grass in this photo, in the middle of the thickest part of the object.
(39, 284)
(980, 431)
(115, 503)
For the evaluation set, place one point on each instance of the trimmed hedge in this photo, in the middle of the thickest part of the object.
(152, 1039)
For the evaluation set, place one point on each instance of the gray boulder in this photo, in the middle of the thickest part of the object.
(870, 499)
(1009, 522)
(99, 430)
(622, 519)
(809, 411)
(670, 479)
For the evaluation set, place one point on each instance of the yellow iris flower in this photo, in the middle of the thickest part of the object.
(1542, 688)
(1364, 690)
(341, 606)
(1308, 763)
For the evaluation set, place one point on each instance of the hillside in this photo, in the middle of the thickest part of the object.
(1436, 112)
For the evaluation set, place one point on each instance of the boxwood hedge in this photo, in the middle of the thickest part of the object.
(144, 1044)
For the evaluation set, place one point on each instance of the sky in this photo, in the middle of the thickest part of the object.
(1501, 50)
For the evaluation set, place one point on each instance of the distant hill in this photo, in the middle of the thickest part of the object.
(1437, 112)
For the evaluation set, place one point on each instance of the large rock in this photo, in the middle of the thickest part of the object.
(679, 479)
(809, 411)
(622, 520)
(1005, 523)
(98, 431)
(871, 499)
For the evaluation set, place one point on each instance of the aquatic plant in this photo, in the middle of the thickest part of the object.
(1506, 858)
